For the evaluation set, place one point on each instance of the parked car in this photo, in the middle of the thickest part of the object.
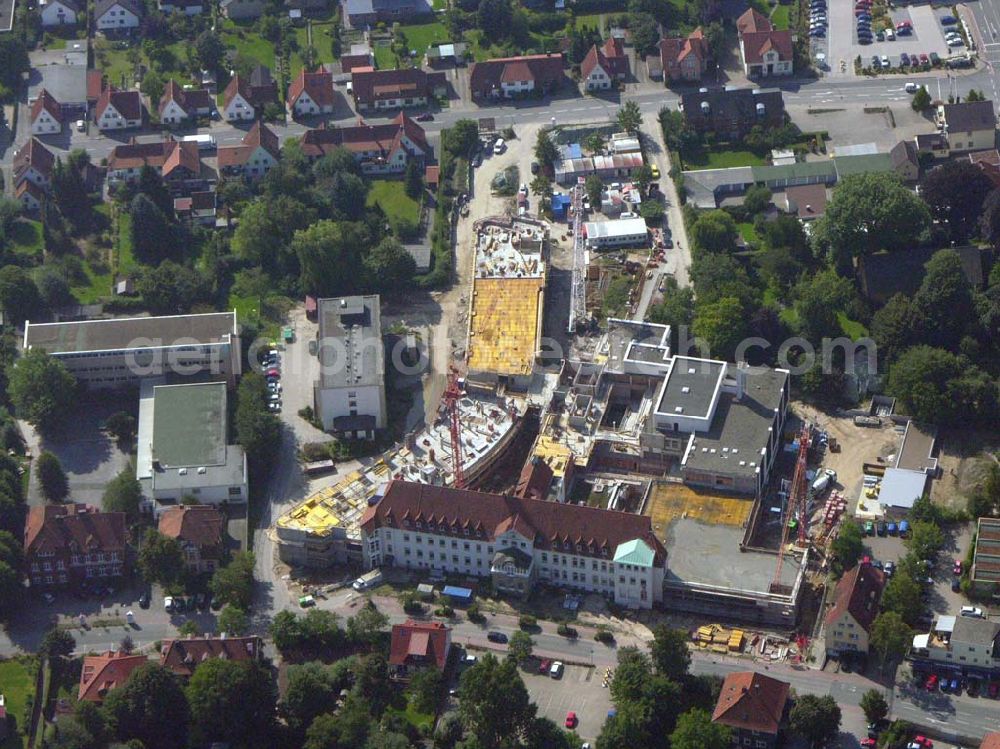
(905, 31)
(957, 567)
(993, 689)
(972, 611)
(956, 585)
(494, 636)
(932, 682)
(935, 58)
(144, 600)
(168, 603)
(425, 117)
(890, 569)
(948, 20)
(924, 59)
(885, 61)
(904, 60)
(893, 529)
(556, 670)
(881, 528)
(869, 525)
(818, 32)
(868, 743)
(544, 666)
(570, 719)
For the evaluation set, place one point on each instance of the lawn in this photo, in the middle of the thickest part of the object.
(322, 43)
(384, 58)
(720, 158)
(420, 36)
(591, 20)
(391, 195)
(114, 63)
(852, 328)
(98, 286)
(26, 236)
(249, 44)
(17, 683)
(125, 258)
(418, 720)
(748, 233)
(779, 19)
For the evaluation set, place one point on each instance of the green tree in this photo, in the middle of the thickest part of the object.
(643, 29)
(210, 50)
(756, 200)
(264, 234)
(546, 151)
(721, 324)
(153, 236)
(494, 703)
(494, 18)
(714, 231)
(869, 212)
(520, 646)
(258, 431)
(19, 298)
(41, 389)
(123, 426)
(414, 179)
(51, 477)
(847, 547)
(594, 188)
(940, 388)
(233, 621)
(989, 221)
(11, 590)
(944, 300)
(816, 719)
(629, 117)
(170, 288)
(69, 190)
(14, 62)
(310, 693)
(231, 701)
(123, 493)
(323, 733)
(389, 267)
(634, 671)
(874, 705)
(233, 584)
(695, 730)
(921, 100)
(955, 192)
(57, 643)
(896, 327)
(902, 597)
(926, 539)
(328, 253)
(425, 688)
(150, 707)
(153, 86)
(670, 653)
(367, 625)
(890, 637)
(160, 559)
(151, 185)
(819, 298)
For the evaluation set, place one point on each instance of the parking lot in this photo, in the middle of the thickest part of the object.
(579, 690)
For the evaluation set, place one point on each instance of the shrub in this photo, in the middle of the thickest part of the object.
(567, 631)
(527, 621)
(604, 635)
(475, 614)
(445, 611)
(411, 605)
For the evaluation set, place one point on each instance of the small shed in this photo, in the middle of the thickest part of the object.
(311, 308)
(457, 594)
(560, 206)
(432, 176)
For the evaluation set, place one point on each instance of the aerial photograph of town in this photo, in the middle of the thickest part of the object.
(499, 374)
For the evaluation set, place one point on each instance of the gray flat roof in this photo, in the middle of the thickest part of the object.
(67, 83)
(350, 341)
(902, 487)
(189, 424)
(125, 333)
(915, 452)
(974, 630)
(701, 554)
(742, 425)
(691, 384)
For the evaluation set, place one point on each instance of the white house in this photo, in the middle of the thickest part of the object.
(46, 114)
(311, 94)
(118, 110)
(58, 12)
(178, 105)
(255, 155)
(117, 15)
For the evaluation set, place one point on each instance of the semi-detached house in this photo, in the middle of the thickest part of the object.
(969, 125)
(254, 157)
(117, 15)
(310, 94)
(395, 89)
(118, 110)
(604, 66)
(58, 12)
(385, 148)
(46, 114)
(511, 77)
(178, 105)
(516, 542)
(178, 163)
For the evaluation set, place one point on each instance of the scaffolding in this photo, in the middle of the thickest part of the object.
(578, 295)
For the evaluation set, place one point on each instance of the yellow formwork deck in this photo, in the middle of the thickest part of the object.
(670, 502)
(556, 455)
(504, 325)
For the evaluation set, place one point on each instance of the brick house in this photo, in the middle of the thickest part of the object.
(604, 66)
(182, 656)
(102, 673)
(684, 59)
(73, 544)
(385, 148)
(753, 707)
(764, 50)
(510, 77)
(417, 645)
(732, 113)
(199, 530)
(855, 606)
(178, 163)
(395, 89)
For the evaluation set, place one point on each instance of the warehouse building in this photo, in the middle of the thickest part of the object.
(623, 232)
(125, 351)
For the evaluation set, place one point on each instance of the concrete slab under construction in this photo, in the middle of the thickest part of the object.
(504, 327)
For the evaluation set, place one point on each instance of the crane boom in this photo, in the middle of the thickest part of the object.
(452, 394)
(798, 500)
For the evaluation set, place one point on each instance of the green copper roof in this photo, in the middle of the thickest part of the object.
(634, 552)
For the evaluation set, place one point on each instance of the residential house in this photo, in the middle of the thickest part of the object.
(117, 15)
(199, 531)
(968, 125)
(200, 207)
(905, 161)
(855, 606)
(764, 50)
(385, 148)
(245, 99)
(361, 56)
(30, 196)
(395, 89)
(361, 13)
(961, 645)
(990, 741)
(512, 77)
(417, 645)
(102, 673)
(989, 162)
(46, 114)
(179, 105)
(182, 656)
(72, 544)
(95, 86)
(59, 12)
(33, 162)
(454, 531)
(684, 59)
(882, 275)
(242, 10)
(187, 7)
(254, 156)
(808, 202)
(118, 110)
(604, 67)
(178, 163)
(310, 94)
(753, 707)
(732, 113)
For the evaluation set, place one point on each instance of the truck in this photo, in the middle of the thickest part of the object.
(368, 580)
(823, 481)
(204, 141)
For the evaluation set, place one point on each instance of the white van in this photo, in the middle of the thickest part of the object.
(368, 580)
(499, 147)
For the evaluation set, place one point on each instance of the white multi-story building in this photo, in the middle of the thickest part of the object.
(349, 396)
(117, 352)
(516, 542)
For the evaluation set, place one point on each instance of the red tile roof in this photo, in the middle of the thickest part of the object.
(755, 44)
(102, 673)
(551, 525)
(46, 101)
(370, 86)
(258, 135)
(190, 100)
(752, 21)
(611, 57)
(352, 62)
(199, 525)
(544, 70)
(183, 656)
(255, 96)
(27, 186)
(166, 155)
(535, 479)
(319, 86)
(674, 49)
(858, 593)
(95, 85)
(990, 741)
(751, 701)
(432, 175)
(33, 153)
(424, 641)
(127, 103)
(384, 138)
(56, 527)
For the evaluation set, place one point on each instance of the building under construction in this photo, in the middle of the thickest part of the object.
(323, 530)
(507, 306)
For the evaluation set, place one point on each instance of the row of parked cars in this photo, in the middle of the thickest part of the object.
(817, 18)
(272, 371)
(955, 685)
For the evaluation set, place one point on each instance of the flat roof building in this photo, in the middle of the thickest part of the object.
(349, 396)
(183, 445)
(624, 232)
(124, 351)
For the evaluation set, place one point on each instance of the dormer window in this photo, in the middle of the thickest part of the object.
(420, 525)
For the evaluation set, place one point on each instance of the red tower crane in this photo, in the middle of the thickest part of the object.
(452, 394)
(798, 501)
